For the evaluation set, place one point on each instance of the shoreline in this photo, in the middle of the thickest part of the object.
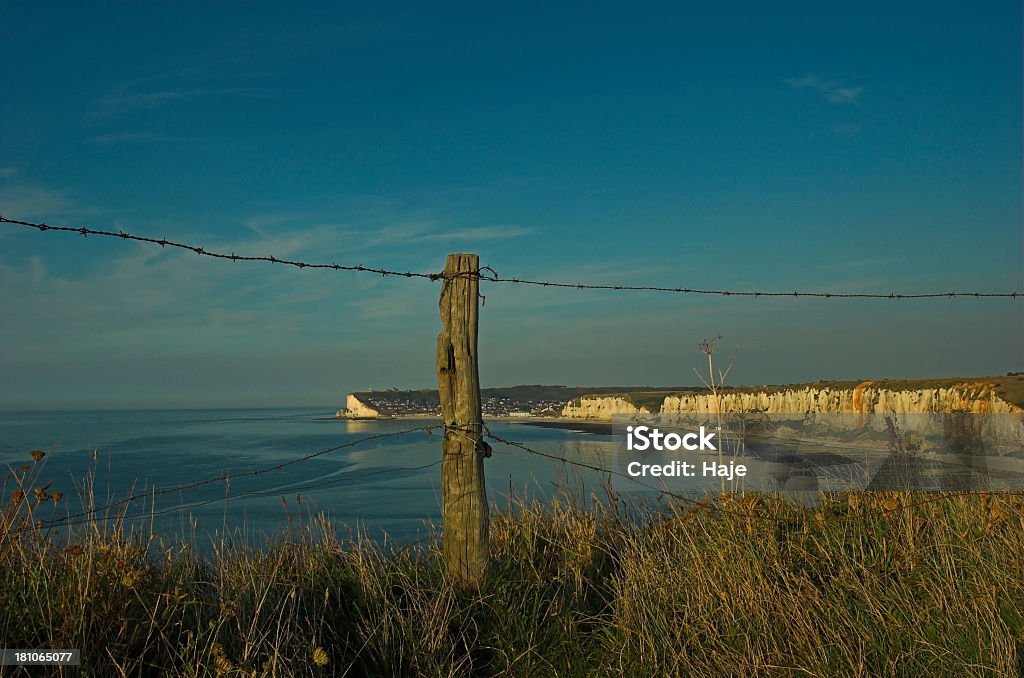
(589, 426)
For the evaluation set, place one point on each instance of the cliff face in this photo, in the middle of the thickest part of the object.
(600, 407)
(354, 407)
(866, 398)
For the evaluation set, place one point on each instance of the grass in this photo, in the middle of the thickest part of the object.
(862, 585)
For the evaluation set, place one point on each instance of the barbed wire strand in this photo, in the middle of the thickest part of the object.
(754, 293)
(696, 504)
(227, 477)
(488, 274)
(123, 518)
(164, 242)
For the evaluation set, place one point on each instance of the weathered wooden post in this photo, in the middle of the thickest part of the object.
(464, 511)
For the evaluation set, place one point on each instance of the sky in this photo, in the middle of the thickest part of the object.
(842, 146)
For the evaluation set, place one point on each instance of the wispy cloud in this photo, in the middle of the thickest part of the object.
(117, 103)
(474, 234)
(8, 172)
(121, 102)
(393, 233)
(417, 233)
(126, 138)
(834, 91)
(160, 295)
(26, 200)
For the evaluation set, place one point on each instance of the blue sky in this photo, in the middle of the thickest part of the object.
(860, 147)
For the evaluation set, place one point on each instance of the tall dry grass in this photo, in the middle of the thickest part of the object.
(872, 585)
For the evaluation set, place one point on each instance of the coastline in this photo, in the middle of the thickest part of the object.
(566, 423)
(603, 428)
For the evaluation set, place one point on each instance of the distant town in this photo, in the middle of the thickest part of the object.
(404, 403)
(519, 401)
(514, 401)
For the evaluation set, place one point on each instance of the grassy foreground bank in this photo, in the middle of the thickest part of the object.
(868, 585)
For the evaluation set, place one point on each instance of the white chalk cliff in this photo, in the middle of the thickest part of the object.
(355, 408)
(866, 398)
(600, 407)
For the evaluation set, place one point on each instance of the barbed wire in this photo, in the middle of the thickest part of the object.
(486, 273)
(52, 524)
(164, 242)
(708, 504)
(754, 293)
(591, 467)
(71, 519)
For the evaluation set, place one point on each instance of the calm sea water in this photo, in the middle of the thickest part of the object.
(374, 487)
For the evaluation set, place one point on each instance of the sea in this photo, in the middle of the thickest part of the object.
(251, 476)
(158, 471)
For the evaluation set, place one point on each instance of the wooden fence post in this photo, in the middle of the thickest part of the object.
(464, 511)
